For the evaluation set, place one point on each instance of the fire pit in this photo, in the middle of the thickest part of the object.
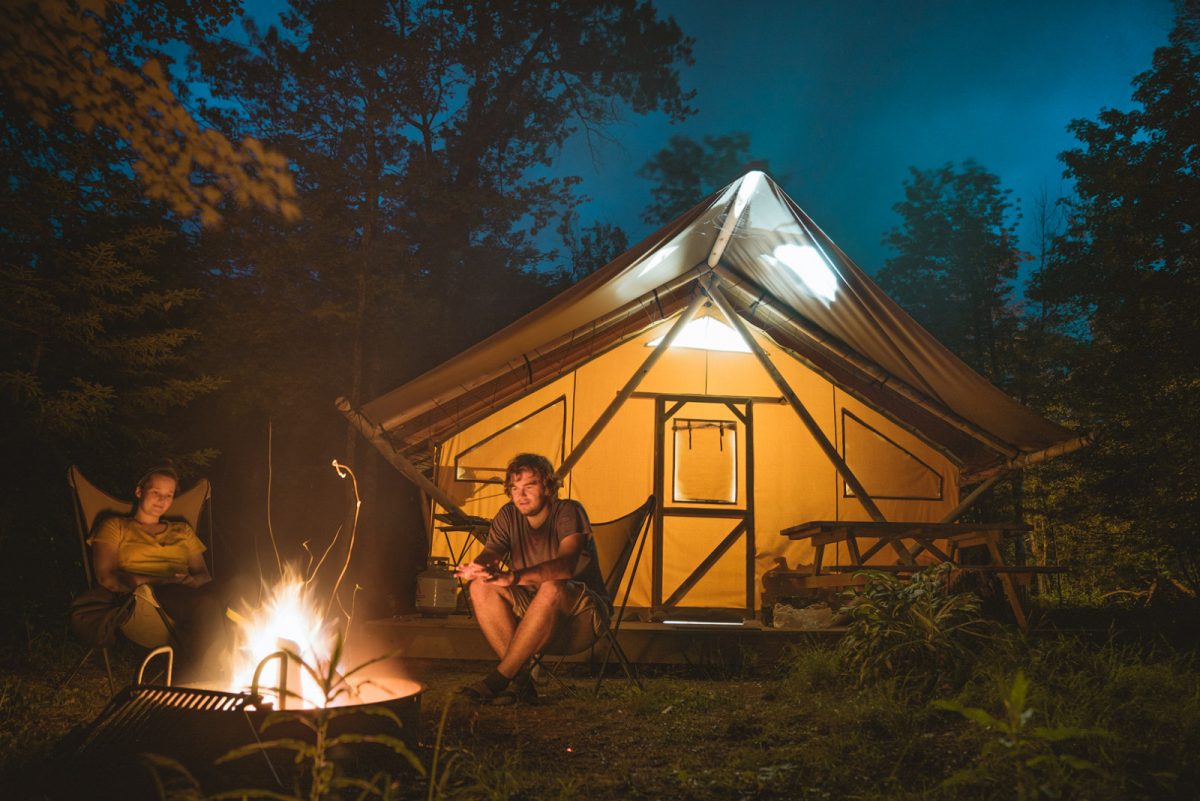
(196, 725)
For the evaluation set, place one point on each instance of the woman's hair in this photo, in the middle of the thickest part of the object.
(535, 463)
(164, 469)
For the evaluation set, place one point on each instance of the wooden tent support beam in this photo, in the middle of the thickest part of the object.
(1070, 446)
(969, 501)
(1020, 462)
(718, 297)
(877, 374)
(634, 380)
(374, 435)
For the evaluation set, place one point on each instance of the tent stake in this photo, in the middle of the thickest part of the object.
(586, 441)
(718, 296)
(374, 435)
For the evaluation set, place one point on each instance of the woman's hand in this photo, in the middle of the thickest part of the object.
(191, 580)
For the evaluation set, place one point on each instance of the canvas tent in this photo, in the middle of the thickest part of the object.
(738, 365)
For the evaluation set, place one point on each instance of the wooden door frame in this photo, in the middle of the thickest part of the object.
(743, 409)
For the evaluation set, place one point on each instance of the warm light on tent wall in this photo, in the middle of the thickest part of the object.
(705, 333)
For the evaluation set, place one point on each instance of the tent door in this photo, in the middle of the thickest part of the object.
(704, 478)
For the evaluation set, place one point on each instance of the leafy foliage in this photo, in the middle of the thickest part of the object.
(1020, 755)
(957, 262)
(686, 170)
(915, 631)
(591, 247)
(1123, 278)
(55, 52)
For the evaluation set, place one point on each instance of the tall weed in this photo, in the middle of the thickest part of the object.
(915, 631)
(1019, 756)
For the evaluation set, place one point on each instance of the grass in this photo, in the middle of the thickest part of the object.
(797, 729)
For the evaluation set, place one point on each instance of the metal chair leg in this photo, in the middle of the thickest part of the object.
(112, 686)
(537, 661)
(615, 647)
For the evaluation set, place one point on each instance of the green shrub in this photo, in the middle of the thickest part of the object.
(1020, 758)
(913, 631)
(812, 668)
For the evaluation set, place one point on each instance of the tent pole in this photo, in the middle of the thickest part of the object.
(374, 435)
(718, 296)
(607, 415)
(877, 375)
(1016, 464)
(1070, 446)
(746, 188)
(969, 501)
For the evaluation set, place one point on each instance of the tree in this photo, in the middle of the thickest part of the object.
(1125, 277)
(416, 129)
(96, 330)
(956, 262)
(686, 171)
(592, 246)
(58, 53)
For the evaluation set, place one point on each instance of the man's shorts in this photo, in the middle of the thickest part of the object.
(588, 607)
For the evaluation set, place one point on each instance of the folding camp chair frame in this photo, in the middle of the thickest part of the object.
(613, 584)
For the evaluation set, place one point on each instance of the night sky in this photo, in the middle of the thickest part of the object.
(841, 98)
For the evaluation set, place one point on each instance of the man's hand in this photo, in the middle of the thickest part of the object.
(473, 570)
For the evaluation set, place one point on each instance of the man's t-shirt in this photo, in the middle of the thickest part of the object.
(164, 554)
(511, 535)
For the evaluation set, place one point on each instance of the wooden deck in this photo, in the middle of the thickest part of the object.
(457, 637)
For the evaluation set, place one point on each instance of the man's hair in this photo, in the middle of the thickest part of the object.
(535, 463)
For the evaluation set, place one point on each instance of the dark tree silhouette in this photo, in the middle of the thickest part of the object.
(686, 170)
(1125, 277)
(956, 262)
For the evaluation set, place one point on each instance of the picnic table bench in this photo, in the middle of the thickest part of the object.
(940, 541)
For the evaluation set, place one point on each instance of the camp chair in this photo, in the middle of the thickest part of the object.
(615, 543)
(148, 626)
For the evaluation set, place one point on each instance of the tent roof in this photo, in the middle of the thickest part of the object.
(784, 276)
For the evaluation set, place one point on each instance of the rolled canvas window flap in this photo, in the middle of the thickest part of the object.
(541, 431)
(705, 461)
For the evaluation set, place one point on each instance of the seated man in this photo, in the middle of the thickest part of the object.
(552, 595)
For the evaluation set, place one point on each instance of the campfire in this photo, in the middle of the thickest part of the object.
(285, 658)
(272, 641)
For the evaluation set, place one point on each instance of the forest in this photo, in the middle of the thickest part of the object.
(212, 229)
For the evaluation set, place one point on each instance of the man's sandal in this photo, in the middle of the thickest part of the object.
(478, 693)
(518, 692)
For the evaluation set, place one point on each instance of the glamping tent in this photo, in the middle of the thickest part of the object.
(739, 366)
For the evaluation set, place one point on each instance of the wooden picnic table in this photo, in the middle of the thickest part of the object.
(941, 541)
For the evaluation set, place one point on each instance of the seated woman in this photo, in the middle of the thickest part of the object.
(167, 557)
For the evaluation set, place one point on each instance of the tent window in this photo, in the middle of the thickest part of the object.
(542, 431)
(705, 461)
(886, 469)
(706, 333)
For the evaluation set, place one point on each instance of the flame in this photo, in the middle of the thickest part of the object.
(290, 618)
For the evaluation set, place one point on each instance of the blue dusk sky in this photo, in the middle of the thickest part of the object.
(841, 98)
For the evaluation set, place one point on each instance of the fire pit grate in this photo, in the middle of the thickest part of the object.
(139, 713)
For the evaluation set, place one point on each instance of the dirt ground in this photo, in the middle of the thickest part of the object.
(671, 741)
(689, 734)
